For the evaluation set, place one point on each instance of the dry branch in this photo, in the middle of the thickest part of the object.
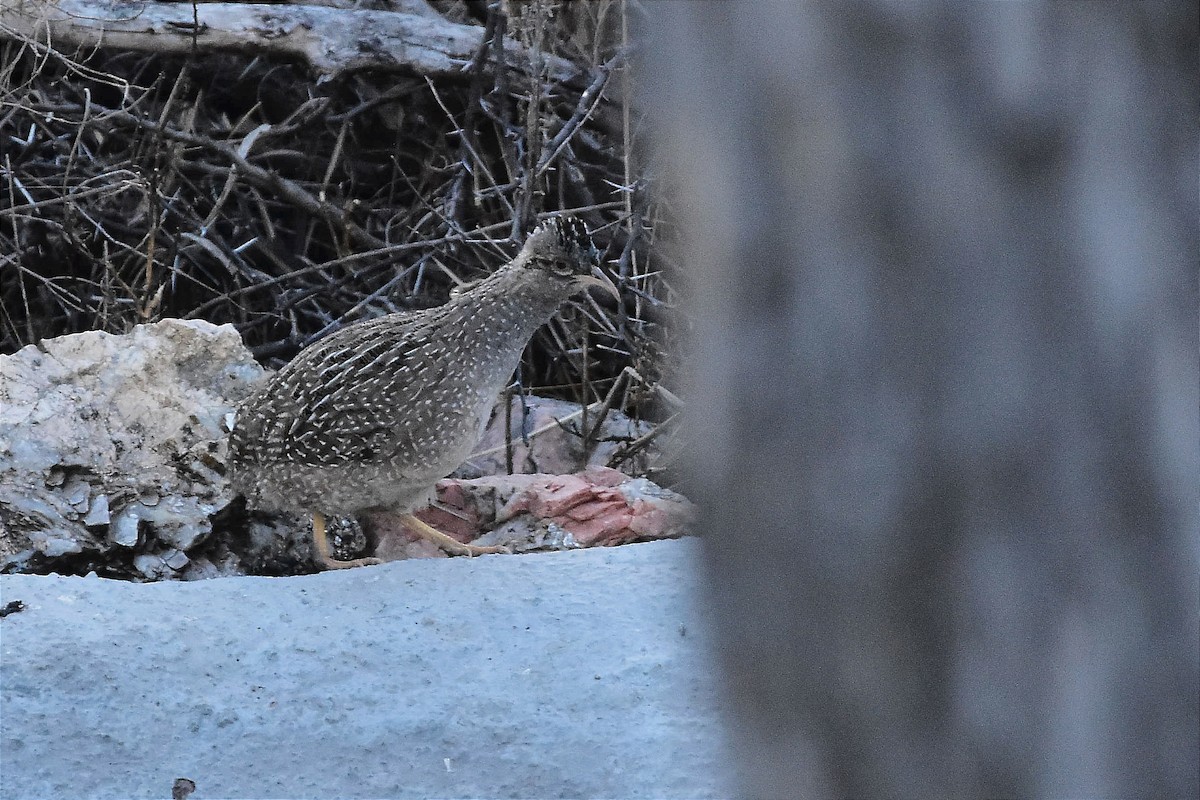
(332, 40)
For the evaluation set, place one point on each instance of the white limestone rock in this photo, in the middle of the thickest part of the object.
(111, 441)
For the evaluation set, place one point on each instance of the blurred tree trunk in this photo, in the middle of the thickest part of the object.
(946, 391)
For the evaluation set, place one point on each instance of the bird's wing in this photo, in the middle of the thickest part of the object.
(344, 399)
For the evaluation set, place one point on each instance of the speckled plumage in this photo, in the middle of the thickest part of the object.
(373, 415)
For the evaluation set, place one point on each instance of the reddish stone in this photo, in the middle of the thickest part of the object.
(590, 506)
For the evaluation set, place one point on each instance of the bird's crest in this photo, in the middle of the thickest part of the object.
(569, 230)
(563, 240)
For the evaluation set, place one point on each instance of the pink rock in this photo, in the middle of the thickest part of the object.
(596, 507)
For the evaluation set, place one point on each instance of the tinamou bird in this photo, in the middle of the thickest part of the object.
(372, 416)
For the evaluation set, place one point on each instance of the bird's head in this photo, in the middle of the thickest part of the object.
(563, 251)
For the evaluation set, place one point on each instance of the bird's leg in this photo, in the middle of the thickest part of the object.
(447, 543)
(324, 557)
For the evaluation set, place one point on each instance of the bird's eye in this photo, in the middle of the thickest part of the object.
(562, 270)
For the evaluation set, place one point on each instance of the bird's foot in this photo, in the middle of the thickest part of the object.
(449, 543)
(472, 550)
(333, 563)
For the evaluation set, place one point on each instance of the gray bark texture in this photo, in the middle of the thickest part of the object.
(945, 394)
(413, 38)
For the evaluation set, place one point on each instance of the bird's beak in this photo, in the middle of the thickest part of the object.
(599, 280)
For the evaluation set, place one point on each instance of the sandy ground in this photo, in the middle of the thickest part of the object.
(575, 674)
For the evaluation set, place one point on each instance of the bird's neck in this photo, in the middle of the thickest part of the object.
(510, 302)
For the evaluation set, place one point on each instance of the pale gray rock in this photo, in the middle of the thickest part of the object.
(98, 511)
(545, 435)
(576, 674)
(124, 529)
(116, 440)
